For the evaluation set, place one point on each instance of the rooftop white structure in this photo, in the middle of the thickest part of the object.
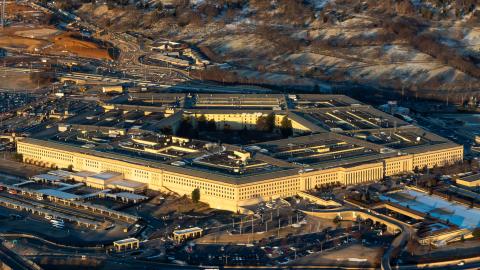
(455, 213)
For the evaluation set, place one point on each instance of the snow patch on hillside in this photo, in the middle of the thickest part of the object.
(320, 4)
(472, 37)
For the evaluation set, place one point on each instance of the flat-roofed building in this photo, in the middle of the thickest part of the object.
(170, 60)
(58, 194)
(126, 244)
(127, 185)
(245, 101)
(112, 89)
(367, 146)
(182, 235)
(469, 181)
(103, 179)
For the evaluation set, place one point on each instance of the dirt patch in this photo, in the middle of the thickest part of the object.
(20, 12)
(12, 8)
(21, 43)
(39, 33)
(19, 81)
(67, 42)
(182, 205)
(246, 238)
(51, 41)
(354, 255)
(19, 168)
(313, 225)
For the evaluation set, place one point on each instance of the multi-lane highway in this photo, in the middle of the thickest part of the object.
(15, 261)
(192, 86)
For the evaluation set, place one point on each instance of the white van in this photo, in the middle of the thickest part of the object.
(57, 221)
(58, 226)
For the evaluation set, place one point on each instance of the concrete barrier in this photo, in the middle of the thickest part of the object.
(352, 215)
(448, 263)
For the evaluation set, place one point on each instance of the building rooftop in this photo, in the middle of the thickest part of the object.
(189, 230)
(471, 178)
(126, 241)
(59, 194)
(130, 196)
(335, 131)
(48, 177)
(128, 184)
(105, 175)
(83, 174)
(360, 117)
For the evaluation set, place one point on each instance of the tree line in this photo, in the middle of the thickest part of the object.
(191, 126)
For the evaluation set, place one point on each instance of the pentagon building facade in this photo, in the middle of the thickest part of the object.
(332, 139)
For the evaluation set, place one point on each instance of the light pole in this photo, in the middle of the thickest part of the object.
(241, 223)
(278, 231)
(252, 227)
(3, 13)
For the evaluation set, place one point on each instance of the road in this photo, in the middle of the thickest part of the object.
(130, 62)
(397, 244)
(121, 263)
(190, 86)
(15, 261)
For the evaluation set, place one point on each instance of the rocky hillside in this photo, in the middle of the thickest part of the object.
(424, 48)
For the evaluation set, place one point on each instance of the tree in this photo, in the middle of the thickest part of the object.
(476, 233)
(18, 157)
(202, 122)
(243, 133)
(70, 168)
(196, 195)
(42, 77)
(266, 123)
(159, 6)
(167, 130)
(227, 128)
(186, 129)
(337, 220)
(261, 124)
(411, 246)
(211, 125)
(270, 122)
(286, 127)
(364, 197)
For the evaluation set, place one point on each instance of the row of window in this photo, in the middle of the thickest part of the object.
(41, 153)
(279, 187)
(208, 188)
(438, 159)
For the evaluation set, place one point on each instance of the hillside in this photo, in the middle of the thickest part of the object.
(422, 48)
